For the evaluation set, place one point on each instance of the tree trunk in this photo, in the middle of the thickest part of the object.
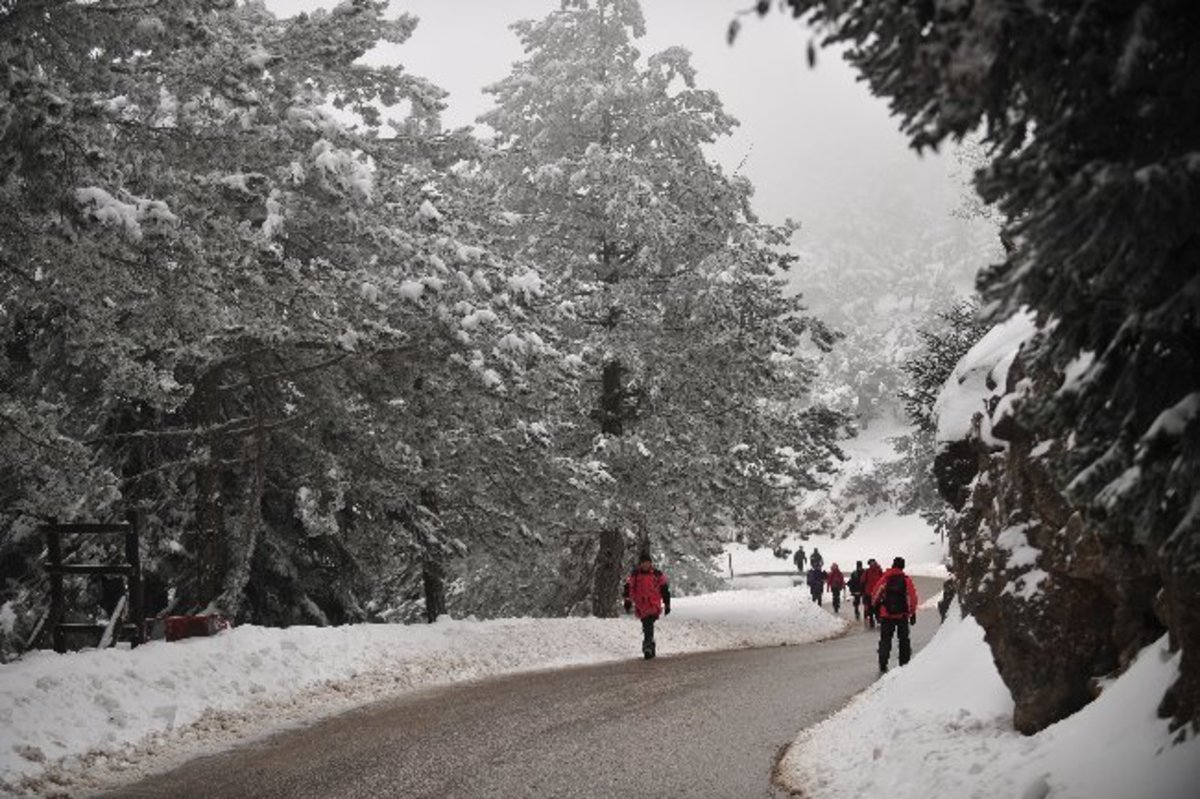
(609, 559)
(611, 396)
(433, 567)
(211, 557)
(237, 575)
(433, 575)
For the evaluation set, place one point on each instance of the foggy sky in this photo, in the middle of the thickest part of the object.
(816, 145)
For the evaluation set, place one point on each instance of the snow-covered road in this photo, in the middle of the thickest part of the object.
(699, 725)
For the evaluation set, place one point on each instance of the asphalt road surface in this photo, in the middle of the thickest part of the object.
(703, 725)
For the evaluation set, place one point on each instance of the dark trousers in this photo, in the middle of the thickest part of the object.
(857, 601)
(888, 627)
(837, 599)
(648, 630)
(816, 594)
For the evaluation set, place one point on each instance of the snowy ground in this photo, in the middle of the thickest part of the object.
(882, 537)
(942, 726)
(74, 722)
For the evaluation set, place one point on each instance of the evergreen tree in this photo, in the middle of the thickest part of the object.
(272, 333)
(945, 339)
(1092, 119)
(695, 419)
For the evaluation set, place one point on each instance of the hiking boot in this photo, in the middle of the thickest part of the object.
(648, 650)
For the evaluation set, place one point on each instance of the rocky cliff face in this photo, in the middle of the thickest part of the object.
(1062, 598)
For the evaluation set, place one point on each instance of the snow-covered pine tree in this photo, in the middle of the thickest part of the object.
(261, 327)
(695, 418)
(1092, 115)
(946, 337)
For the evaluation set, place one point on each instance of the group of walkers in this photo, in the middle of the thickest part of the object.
(888, 599)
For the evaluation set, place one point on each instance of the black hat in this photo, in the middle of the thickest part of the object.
(897, 563)
(644, 556)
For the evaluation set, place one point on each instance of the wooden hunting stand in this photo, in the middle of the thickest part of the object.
(134, 629)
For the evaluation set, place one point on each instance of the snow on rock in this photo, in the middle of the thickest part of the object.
(941, 726)
(979, 377)
(1021, 554)
(106, 715)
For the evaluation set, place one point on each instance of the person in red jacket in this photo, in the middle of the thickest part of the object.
(895, 600)
(836, 582)
(648, 595)
(870, 579)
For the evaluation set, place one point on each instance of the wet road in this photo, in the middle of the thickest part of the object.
(705, 725)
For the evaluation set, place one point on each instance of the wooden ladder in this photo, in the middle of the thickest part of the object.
(134, 629)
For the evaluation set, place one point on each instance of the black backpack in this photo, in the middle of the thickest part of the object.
(895, 596)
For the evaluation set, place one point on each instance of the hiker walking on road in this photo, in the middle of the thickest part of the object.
(855, 584)
(895, 598)
(648, 595)
(799, 559)
(817, 560)
(837, 582)
(816, 583)
(870, 578)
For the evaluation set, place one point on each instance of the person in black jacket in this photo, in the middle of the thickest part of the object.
(855, 584)
(799, 559)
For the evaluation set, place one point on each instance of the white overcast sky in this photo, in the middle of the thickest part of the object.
(816, 145)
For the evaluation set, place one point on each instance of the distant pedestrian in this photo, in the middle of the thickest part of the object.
(895, 597)
(837, 583)
(872, 576)
(816, 583)
(948, 592)
(799, 559)
(817, 561)
(855, 584)
(648, 595)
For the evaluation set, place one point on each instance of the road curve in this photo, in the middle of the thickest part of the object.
(703, 725)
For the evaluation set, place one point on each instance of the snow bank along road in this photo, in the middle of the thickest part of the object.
(704, 725)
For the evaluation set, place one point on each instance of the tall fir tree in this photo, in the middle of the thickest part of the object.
(695, 420)
(271, 332)
(1091, 113)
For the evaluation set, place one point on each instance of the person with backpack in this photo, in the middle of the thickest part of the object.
(799, 559)
(817, 560)
(816, 583)
(855, 584)
(648, 594)
(837, 582)
(895, 600)
(871, 578)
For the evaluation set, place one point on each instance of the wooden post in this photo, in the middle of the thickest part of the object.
(54, 550)
(133, 583)
(730, 565)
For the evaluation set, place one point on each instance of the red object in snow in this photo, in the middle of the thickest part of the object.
(177, 627)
